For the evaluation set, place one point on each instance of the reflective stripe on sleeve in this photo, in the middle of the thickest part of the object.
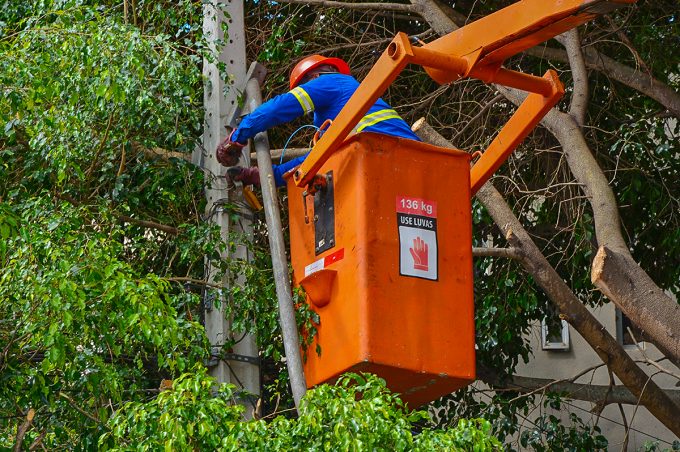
(376, 117)
(304, 99)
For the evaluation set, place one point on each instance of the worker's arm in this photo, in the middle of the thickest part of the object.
(280, 170)
(281, 109)
(276, 111)
(284, 108)
(251, 176)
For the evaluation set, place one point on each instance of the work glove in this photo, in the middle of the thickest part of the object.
(229, 152)
(248, 176)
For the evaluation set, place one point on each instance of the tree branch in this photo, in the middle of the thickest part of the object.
(510, 253)
(194, 281)
(633, 78)
(624, 39)
(38, 441)
(160, 152)
(22, 429)
(481, 112)
(77, 408)
(438, 15)
(356, 6)
(579, 74)
(652, 362)
(600, 394)
(100, 147)
(619, 277)
(355, 45)
(147, 224)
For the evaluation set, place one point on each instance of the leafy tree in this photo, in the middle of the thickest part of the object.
(103, 246)
(82, 330)
(95, 231)
(357, 413)
(104, 239)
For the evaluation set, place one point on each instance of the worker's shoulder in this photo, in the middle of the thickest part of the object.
(331, 81)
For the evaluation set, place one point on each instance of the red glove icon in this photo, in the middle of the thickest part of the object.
(419, 254)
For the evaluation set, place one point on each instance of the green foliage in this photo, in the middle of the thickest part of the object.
(82, 89)
(91, 311)
(501, 347)
(88, 316)
(81, 330)
(648, 149)
(195, 414)
(550, 433)
(357, 413)
(653, 446)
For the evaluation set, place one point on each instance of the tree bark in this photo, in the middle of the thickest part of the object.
(631, 77)
(399, 7)
(22, 429)
(533, 261)
(579, 98)
(622, 280)
(436, 15)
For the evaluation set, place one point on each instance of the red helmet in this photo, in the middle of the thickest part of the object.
(312, 62)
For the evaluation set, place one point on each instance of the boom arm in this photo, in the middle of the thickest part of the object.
(477, 50)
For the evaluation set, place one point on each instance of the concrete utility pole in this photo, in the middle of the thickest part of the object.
(241, 367)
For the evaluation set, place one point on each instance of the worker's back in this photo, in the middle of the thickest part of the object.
(330, 92)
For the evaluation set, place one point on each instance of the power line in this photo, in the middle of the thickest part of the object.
(620, 424)
(583, 409)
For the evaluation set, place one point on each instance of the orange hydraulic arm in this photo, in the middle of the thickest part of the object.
(477, 50)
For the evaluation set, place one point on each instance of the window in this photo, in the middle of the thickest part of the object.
(554, 333)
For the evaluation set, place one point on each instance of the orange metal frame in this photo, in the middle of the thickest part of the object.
(477, 50)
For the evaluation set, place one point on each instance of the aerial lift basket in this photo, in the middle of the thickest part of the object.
(380, 227)
(386, 261)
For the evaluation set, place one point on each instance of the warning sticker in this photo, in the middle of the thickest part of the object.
(417, 223)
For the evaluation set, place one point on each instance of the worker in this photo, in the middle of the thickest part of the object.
(318, 84)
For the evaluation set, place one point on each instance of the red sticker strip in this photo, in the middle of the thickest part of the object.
(324, 262)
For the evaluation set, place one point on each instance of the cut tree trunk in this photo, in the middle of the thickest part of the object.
(623, 281)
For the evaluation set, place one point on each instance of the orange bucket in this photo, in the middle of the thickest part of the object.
(383, 250)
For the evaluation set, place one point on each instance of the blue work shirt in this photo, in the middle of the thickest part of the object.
(325, 96)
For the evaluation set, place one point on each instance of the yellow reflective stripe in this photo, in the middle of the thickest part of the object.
(378, 113)
(304, 99)
(376, 117)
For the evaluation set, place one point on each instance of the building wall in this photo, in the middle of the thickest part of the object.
(555, 364)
